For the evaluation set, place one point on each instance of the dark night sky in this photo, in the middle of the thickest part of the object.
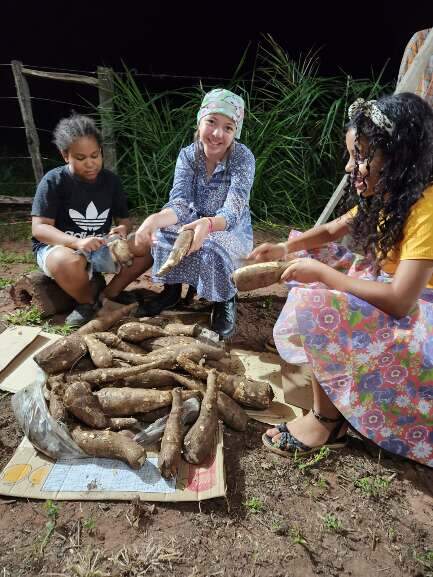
(357, 38)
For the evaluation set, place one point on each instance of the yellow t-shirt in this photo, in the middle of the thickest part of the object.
(417, 243)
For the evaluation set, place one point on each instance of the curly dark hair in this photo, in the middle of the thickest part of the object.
(73, 127)
(407, 171)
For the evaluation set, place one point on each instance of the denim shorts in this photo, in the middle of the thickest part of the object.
(97, 261)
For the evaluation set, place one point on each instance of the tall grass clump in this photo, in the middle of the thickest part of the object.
(294, 127)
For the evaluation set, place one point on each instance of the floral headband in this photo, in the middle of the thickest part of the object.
(370, 109)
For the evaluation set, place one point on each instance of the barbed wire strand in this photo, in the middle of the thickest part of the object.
(47, 100)
(134, 72)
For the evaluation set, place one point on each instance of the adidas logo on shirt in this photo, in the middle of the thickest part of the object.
(92, 221)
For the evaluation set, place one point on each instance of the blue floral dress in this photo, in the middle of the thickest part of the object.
(194, 195)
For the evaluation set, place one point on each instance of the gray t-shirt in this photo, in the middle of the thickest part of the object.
(79, 208)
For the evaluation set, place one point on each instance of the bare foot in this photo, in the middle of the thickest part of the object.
(308, 430)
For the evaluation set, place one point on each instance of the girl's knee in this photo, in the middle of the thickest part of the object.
(65, 262)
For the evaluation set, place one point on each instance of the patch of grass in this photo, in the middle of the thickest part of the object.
(89, 564)
(267, 303)
(5, 282)
(297, 537)
(63, 330)
(320, 455)
(52, 511)
(8, 257)
(425, 559)
(90, 524)
(332, 523)
(15, 231)
(254, 505)
(30, 316)
(373, 485)
(321, 483)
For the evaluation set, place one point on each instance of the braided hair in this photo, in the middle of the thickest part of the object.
(407, 171)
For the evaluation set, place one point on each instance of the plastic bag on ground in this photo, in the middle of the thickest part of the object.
(154, 432)
(45, 433)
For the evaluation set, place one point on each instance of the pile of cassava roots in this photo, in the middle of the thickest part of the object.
(117, 372)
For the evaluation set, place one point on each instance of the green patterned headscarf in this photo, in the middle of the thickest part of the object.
(221, 101)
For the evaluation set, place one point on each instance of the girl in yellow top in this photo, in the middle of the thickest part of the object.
(365, 324)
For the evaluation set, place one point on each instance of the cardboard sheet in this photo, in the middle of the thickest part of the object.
(31, 475)
(266, 366)
(17, 347)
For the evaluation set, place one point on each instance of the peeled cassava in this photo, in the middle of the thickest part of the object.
(259, 275)
(179, 250)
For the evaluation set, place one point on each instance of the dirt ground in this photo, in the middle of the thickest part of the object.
(358, 512)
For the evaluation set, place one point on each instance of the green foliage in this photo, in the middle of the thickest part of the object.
(26, 316)
(5, 282)
(373, 486)
(31, 316)
(297, 537)
(52, 511)
(254, 505)
(267, 302)
(426, 560)
(332, 523)
(63, 330)
(89, 524)
(8, 257)
(21, 230)
(294, 126)
(318, 456)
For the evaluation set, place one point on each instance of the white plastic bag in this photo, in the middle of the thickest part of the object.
(154, 432)
(45, 433)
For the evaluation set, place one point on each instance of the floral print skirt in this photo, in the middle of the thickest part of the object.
(209, 269)
(376, 369)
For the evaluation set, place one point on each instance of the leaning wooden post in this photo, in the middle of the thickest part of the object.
(105, 89)
(23, 93)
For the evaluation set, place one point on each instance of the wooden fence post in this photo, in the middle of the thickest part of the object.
(105, 89)
(23, 93)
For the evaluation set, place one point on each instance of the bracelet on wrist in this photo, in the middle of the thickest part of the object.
(210, 224)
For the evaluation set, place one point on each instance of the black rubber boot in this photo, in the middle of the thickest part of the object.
(223, 319)
(168, 299)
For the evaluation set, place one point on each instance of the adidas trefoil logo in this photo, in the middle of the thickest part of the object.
(92, 220)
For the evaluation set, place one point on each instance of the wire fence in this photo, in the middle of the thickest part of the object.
(14, 166)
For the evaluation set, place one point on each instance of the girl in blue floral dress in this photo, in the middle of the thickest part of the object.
(365, 324)
(210, 195)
